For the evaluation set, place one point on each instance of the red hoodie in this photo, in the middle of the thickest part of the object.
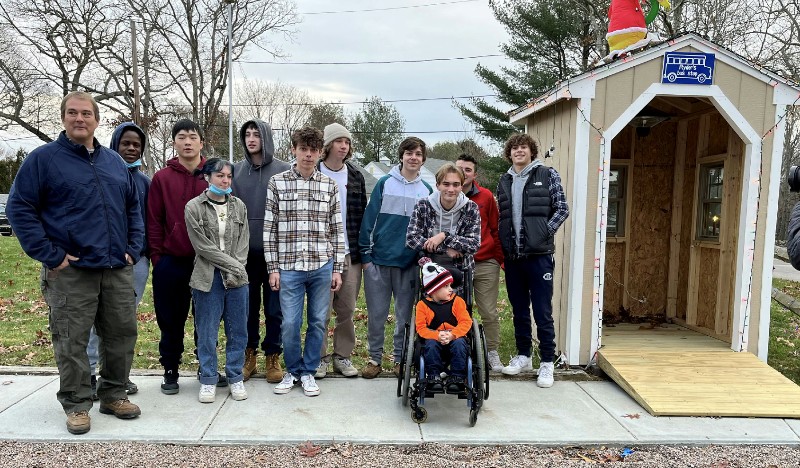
(170, 190)
(490, 215)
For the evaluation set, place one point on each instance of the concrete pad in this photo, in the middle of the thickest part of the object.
(14, 388)
(165, 418)
(347, 410)
(794, 425)
(521, 412)
(686, 430)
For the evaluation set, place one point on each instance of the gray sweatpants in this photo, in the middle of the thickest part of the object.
(79, 298)
(380, 284)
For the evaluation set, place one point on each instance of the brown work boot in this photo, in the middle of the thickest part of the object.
(371, 370)
(396, 370)
(122, 408)
(79, 422)
(250, 363)
(274, 369)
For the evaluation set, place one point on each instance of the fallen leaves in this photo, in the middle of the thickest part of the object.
(631, 416)
(307, 449)
(42, 339)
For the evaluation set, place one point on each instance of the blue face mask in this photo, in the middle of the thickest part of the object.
(218, 191)
(136, 163)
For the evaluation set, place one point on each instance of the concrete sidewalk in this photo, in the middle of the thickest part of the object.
(361, 411)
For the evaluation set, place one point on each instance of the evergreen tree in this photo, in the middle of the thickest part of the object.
(377, 131)
(551, 40)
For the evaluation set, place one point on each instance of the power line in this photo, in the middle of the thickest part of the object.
(448, 98)
(373, 62)
(388, 8)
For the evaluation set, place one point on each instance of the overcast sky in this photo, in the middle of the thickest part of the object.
(450, 29)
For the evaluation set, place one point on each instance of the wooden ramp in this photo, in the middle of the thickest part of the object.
(673, 371)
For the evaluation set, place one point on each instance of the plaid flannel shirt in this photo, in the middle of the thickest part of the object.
(558, 201)
(303, 223)
(466, 239)
(356, 203)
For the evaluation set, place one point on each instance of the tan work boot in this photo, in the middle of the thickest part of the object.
(274, 369)
(250, 363)
(122, 408)
(79, 422)
(371, 370)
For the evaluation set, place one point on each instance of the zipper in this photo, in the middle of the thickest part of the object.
(105, 206)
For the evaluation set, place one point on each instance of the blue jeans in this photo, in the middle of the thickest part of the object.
(438, 355)
(141, 270)
(230, 306)
(294, 286)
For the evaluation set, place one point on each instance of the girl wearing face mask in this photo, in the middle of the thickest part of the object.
(218, 230)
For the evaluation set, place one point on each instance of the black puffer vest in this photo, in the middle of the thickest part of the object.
(536, 210)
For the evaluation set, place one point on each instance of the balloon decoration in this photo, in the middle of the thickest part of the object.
(627, 26)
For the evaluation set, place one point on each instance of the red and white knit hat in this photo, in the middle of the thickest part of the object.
(434, 276)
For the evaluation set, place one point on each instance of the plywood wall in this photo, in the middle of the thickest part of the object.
(687, 215)
(708, 285)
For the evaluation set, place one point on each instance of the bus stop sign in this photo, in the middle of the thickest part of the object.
(688, 68)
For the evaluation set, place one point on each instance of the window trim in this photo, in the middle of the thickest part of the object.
(703, 200)
(623, 201)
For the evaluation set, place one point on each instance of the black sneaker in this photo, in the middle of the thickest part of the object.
(169, 386)
(435, 384)
(455, 384)
(131, 388)
(94, 389)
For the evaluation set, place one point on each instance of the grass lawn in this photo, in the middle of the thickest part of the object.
(25, 339)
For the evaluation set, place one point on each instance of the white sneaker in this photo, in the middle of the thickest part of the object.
(238, 392)
(344, 366)
(518, 364)
(545, 379)
(207, 393)
(310, 387)
(495, 364)
(286, 385)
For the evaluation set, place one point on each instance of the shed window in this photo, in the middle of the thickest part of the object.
(615, 221)
(710, 216)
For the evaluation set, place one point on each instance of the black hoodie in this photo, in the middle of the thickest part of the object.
(141, 180)
(250, 181)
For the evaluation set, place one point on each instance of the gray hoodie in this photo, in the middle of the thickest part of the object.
(250, 181)
(447, 220)
(517, 189)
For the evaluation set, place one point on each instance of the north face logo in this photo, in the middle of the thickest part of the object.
(537, 183)
(548, 276)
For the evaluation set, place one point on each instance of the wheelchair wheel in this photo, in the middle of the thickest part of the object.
(420, 415)
(485, 364)
(473, 417)
(401, 377)
(479, 364)
(408, 358)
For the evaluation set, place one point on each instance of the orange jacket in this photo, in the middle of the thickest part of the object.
(457, 307)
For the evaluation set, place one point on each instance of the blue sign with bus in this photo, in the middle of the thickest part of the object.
(688, 68)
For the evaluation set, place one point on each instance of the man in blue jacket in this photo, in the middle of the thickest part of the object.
(75, 208)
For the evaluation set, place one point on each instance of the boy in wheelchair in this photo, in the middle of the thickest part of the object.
(442, 321)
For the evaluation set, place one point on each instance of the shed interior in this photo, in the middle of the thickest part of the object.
(673, 217)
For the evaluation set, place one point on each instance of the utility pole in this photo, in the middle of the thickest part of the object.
(135, 59)
(230, 78)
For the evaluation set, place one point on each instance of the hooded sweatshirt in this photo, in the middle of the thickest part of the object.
(140, 179)
(517, 189)
(170, 191)
(461, 225)
(250, 180)
(381, 239)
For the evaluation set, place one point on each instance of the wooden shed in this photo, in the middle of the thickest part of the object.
(670, 159)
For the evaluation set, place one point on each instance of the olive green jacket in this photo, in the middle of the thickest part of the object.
(203, 226)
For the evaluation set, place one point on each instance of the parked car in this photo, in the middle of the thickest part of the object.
(5, 227)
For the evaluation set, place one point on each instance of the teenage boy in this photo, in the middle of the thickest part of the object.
(532, 208)
(304, 252)
(389, 266)
(75, 209)
(486, 275)
(334, 163)
(250, 181)
(171, 251)
(129, 141)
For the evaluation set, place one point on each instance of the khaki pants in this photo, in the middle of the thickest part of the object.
(486, 284)
(79, 298)
(343, 302)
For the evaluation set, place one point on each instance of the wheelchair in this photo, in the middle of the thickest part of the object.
(412, 364)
